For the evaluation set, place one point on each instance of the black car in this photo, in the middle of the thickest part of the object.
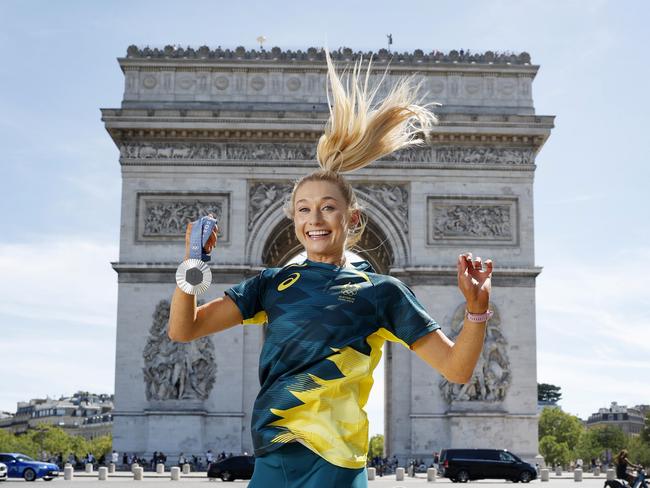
(232, 468)
(462, 465)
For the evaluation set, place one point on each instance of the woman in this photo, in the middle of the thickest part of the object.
(622, 465)
(328, 318)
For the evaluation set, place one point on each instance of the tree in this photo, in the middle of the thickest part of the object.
(548, 393)
(610, 437)
(639, 451)
(645, 433)
(554, 452)
(562, 426)
(376, 446)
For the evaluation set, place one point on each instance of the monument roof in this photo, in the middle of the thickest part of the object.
(317, 55)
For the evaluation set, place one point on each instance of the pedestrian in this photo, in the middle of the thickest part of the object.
(327, 318)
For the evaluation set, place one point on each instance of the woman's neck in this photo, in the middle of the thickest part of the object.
(329, 259)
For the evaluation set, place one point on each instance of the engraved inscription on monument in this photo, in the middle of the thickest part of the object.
(176, 370)
(164, 216)
(454, 220)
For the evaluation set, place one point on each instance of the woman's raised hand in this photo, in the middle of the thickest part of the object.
(475, 282)
(209, 246)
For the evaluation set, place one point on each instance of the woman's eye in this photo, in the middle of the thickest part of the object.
(328, 207)
(303, 209)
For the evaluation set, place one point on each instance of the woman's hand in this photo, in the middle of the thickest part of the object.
(475, 282)
(209, 246)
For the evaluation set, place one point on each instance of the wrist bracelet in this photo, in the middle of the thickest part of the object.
(479, 317)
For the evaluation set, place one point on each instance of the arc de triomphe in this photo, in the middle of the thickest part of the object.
(226, 132)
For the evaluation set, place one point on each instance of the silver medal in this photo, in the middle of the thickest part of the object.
(193, 276)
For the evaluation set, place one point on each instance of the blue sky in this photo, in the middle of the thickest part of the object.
(61, 180)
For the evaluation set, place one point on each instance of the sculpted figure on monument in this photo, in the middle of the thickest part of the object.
(169, 217)
(491, 378)
(486, 221)
(173, 370)
(392, 197)
(262, 196)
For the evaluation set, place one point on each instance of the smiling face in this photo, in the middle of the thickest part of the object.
(321, 220)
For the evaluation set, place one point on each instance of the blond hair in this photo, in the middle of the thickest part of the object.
(359, 131)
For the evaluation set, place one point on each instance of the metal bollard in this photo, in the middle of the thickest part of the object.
(544, 474)
(111, 468)
(134, 466)
(137, 473)
(558, 470)
(611, 475)
(68, 472)
(89, 468)
(186, 469)
(432, 474)
(577, 474)
(371, 474)
(176, 473)
(597, 471)
(399, 474)
(160, 468)
(103, 474)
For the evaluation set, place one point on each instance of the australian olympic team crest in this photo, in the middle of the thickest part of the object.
(349, 292)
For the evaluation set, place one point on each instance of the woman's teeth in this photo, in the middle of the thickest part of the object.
(318, 234)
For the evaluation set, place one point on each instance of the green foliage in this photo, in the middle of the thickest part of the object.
(548, 393)
(554, 452)
(101, 446)
(53, 440)
(564, 427)
(588, 446)
(639, 451)
(645, 433)
(376, 446)
(610, 437)
(17, 443)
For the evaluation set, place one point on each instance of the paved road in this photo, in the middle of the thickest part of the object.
(152, 480)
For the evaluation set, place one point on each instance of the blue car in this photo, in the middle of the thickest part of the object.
(21, 466)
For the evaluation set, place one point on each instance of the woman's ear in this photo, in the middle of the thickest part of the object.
(355, 218)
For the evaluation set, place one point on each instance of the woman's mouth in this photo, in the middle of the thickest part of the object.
(317, 235)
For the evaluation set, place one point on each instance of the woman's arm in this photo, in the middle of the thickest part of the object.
(456, 361)
(186, 321)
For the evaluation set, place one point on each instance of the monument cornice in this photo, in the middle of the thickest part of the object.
(312, 55)
(448, 275)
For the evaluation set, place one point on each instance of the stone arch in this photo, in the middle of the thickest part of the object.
(384, 243)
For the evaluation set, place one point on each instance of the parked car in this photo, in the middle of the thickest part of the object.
(22, 466)
(3, 472)
(232, 468)
(462, 465)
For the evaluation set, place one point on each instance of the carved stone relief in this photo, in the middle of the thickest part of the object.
(175, 370)
(492, 377)
(458, 219)
(165, 216)
(475, 155)
(263, 195)
(394, 199)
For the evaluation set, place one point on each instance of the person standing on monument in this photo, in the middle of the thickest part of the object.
(328, 318)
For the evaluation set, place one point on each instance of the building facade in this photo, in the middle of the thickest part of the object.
(630, 420)
(84, 414)
(226, 132)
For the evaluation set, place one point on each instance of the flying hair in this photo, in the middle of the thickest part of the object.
(360, 131)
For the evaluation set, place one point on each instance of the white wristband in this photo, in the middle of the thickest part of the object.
(479, 317)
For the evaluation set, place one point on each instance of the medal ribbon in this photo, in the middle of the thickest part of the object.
(201, 230)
